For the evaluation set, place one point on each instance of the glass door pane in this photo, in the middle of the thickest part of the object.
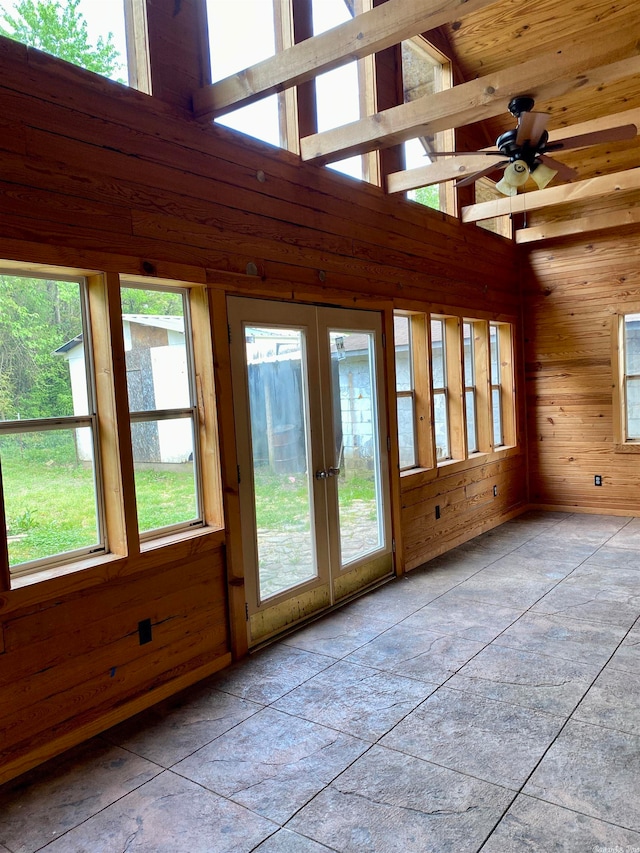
(356, 463)
(279, 431)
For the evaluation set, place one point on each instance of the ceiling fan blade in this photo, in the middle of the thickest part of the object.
(598, 137)
(470, 179)
(565, 173)
(484, 152)
(531, 126)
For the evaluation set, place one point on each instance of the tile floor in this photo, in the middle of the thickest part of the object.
(489, 701)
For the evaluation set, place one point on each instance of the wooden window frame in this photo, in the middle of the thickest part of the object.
(622, 443)
(122, 537)
(456, 387)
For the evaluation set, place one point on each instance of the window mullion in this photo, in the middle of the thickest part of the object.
(424, 415)
(113, 414)
(483, 386)
(455, 387)
(507, 383)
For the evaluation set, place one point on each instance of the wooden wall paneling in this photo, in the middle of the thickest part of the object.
(235, 575)
(572, 292)
(92, 655)
(113, 414)
(467, 507)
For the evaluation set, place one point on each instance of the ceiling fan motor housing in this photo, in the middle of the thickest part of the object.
(521, 104)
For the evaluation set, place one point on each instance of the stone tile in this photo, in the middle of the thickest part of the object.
(532, 566)
(609, 557)
(392, 803)
(591, 529)
(627, 656)
(593, 771)
(532, 826)
(355, 699)
(51, 799)
(628, 537)
(397, 599)
(556, 547)
(577, 599)
(456, 614)
(613, 702)
(168, 814)
(507, 587)
(270, 673)
(272, 763)
(337, 634)
(523, 678)
(285, 841)
(558, 636)
(487, 739)
(417, 652)
(172, 730)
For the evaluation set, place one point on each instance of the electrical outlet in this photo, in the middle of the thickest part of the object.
(437, 512)
(144, 631)
(597, 480)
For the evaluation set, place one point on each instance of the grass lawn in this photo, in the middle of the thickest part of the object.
(50, 503)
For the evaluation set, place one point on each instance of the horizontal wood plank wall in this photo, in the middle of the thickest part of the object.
(571, 289)
(73, 664)
(97, 176)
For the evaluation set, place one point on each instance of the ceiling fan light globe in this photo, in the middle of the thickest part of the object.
(505, 187)
(517, 173)
(543, 175)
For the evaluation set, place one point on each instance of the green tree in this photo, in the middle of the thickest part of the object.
(60, 29)
(429, 196)
(36, 317)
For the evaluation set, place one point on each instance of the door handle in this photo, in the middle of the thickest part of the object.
(333, 472)
(321, 475)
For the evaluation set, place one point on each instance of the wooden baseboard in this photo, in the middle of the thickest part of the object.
(56, 746)
(585, 510)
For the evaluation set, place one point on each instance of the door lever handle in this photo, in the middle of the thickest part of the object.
(333, 472)
(321, 475)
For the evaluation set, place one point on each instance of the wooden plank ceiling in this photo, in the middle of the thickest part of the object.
(579, 60)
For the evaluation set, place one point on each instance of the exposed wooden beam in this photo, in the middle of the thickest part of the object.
(441, 170)
(597, 222)
(581, 65)
(580, 191)
(459, 167)
(373, 31)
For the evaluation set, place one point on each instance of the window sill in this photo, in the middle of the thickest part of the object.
(628, 447)
(475, 460)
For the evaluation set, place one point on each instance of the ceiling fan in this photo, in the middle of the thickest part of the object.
(526, 149)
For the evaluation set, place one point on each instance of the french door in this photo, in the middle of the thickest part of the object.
(312, 457)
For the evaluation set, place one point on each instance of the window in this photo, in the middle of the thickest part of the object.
(405, 393)
(84, 32)
(162, 404)
(48, 426)
(440, 391)
(470, 386)
(240, 35)
(626, 383)
(496, 385)
(341, 93)
(424, 72)
(454, 388)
